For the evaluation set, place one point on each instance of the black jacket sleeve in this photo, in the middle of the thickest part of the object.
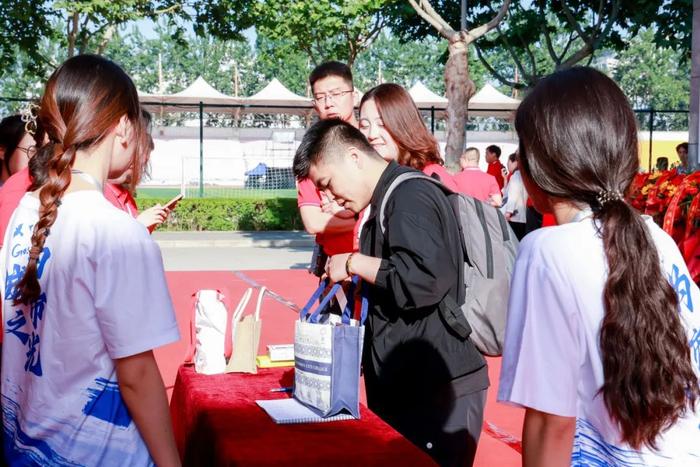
(420, 262)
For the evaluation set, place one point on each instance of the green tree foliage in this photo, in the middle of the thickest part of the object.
(281, 59)
(655, 77)
(90, 24)
(23, 24)
(323, 29)
(38, 35)
(674, 24)
(542, 36)
(83, 26)
(182, 61)
(402, 63)
(224, 19)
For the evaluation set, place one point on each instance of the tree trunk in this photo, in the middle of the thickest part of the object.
(694, 117)
(72, 33)
(459, 89)
(106, 38)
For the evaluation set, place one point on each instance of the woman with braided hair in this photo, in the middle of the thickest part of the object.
(85, 298)
(603, 335)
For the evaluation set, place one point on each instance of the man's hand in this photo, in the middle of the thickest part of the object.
(330, 206)
(335, 267)
(360, 265)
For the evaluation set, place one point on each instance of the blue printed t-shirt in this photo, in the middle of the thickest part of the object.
(552, 360)
(104, 297)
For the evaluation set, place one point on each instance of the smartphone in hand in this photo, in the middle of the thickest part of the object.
(173, 202)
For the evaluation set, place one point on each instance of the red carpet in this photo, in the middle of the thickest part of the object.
(291, 288)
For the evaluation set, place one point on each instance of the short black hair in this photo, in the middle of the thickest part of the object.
(11, 133)
(513, 157)
(494, 149)
(320, 140)
(682, 145)
(333, 68)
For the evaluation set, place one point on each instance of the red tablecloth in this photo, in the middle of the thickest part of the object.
(217, 422)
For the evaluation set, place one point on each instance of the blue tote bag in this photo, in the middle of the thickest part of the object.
(328, 354)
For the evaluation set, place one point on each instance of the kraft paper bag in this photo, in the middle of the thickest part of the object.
(246, 338)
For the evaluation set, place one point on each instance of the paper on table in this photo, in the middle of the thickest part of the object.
(288, 411)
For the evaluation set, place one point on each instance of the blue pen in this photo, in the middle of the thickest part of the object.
(287, 389)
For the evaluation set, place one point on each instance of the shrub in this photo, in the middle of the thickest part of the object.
(229, 214)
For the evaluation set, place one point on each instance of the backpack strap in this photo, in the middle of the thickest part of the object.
(398, 181)
(504, 226)
(479, 208)
(453, 315)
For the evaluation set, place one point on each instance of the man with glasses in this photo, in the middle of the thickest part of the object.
(334, 97)
(16, 146)
(333, 93)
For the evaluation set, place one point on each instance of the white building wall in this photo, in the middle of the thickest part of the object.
(230, 152)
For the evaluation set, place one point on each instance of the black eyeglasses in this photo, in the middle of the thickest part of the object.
(333, 95)
(30, 151)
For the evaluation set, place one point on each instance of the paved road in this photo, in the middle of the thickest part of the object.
(226, 251)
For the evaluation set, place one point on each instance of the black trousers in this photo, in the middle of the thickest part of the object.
(445, 422)
(533, 219)
(518, 229)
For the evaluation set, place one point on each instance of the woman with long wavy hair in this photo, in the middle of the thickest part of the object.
(392, 124)
(603, 336)
(85, 298)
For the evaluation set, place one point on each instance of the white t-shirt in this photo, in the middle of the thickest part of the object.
(104, 297)
(552, 361)
(515, 198)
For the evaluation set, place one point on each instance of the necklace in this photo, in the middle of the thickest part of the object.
(88, 178)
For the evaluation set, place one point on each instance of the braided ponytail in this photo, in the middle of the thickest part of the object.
(83, 101)
(49, 196)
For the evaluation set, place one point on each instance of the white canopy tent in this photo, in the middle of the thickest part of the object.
(489, 102)
(189, 98)
(200, 88)
(425, 98)
(273, 98)
(276, 98)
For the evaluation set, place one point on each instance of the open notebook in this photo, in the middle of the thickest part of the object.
(288, 411)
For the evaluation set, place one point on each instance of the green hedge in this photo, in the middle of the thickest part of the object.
(229, 214)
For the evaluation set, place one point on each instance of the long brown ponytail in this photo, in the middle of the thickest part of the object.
(83, 100)
(578, 142)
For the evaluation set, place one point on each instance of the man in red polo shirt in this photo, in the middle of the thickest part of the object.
(333, 97)
(474, 182)
(495, 167)
(11, 192)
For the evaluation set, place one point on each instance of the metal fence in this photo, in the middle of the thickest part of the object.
(230, 151)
